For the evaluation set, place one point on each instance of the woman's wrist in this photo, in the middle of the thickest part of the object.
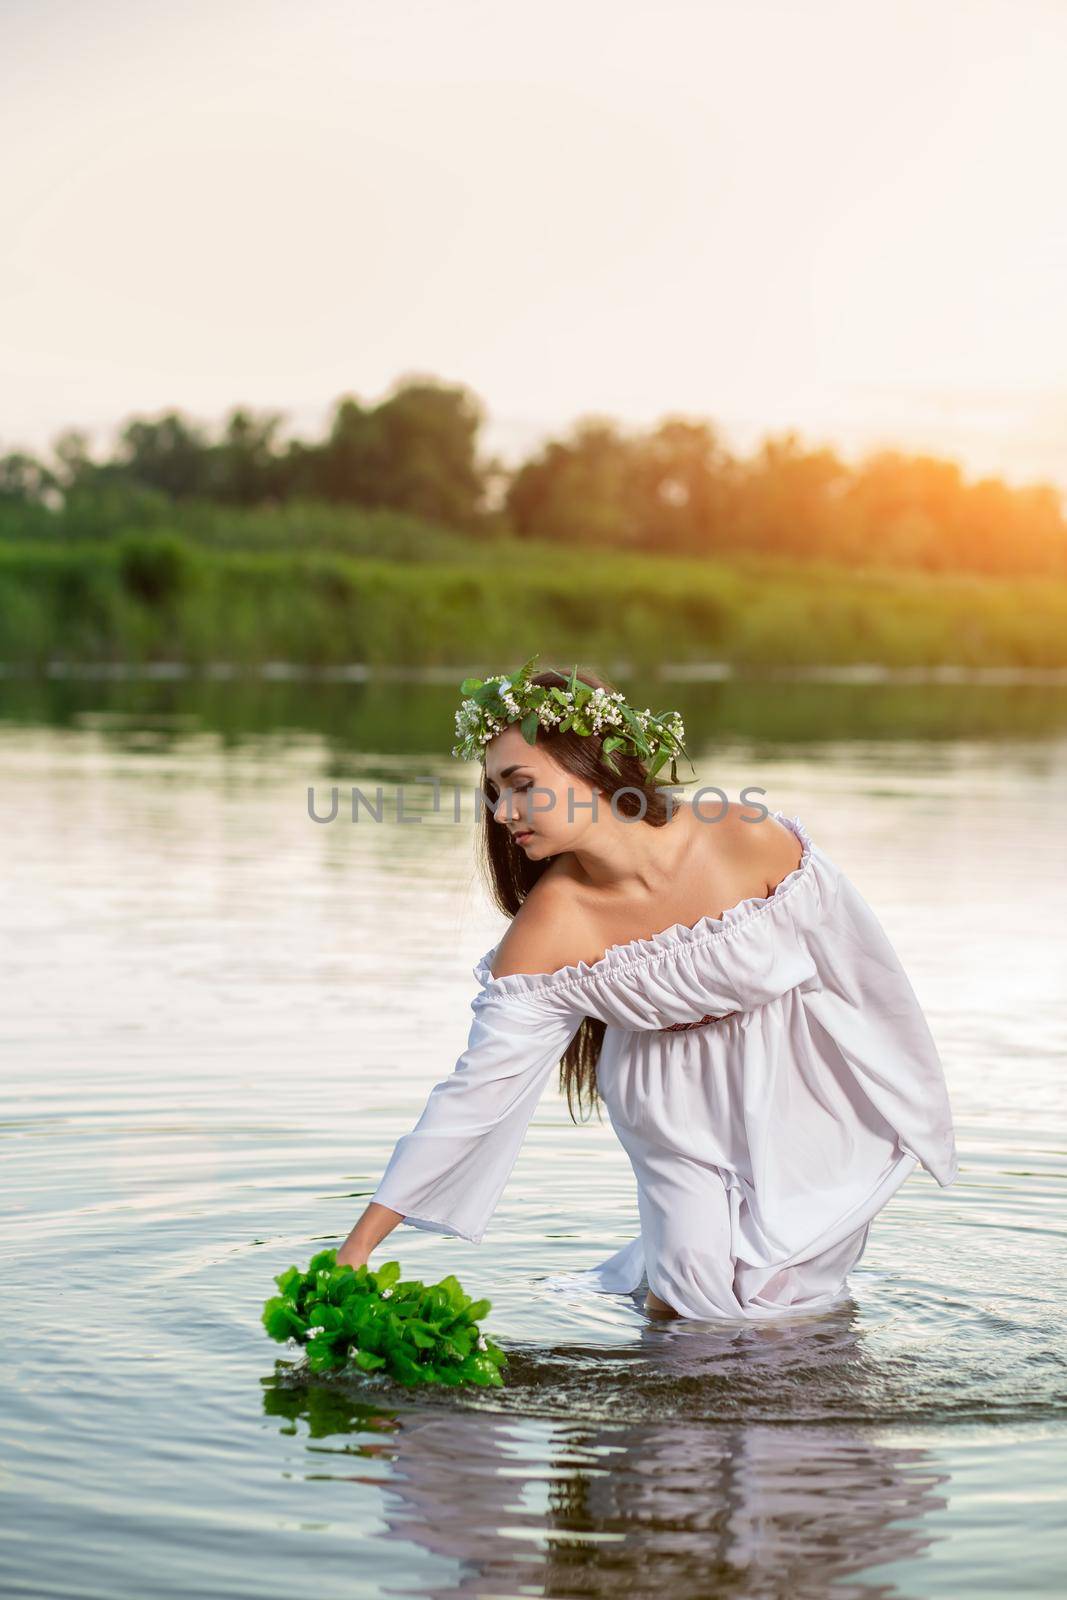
(352, 1254)
(372, 1227)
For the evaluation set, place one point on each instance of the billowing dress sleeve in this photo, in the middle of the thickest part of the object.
(864, 1020)
(448, 1173)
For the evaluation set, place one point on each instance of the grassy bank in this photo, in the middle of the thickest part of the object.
(157, 595)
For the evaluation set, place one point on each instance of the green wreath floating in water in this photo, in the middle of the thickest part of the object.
(412, 1332)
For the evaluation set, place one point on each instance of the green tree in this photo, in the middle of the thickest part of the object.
(578, 490)
(167, 453)
(681, 481)
(788, 499)
(417, 451)
(24, 480)
(244, 463)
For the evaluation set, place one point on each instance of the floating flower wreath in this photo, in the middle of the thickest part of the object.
(410, 1331)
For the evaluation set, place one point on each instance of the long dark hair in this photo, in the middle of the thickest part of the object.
(510, 875)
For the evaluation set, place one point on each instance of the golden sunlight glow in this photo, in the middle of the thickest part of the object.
(838, 218)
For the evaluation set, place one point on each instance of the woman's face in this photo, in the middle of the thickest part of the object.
(545, 808)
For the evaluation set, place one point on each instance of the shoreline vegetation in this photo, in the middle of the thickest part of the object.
(392, 542)
(162, 595)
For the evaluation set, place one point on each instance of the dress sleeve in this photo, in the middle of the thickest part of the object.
(867, 1013)
(448, 1173)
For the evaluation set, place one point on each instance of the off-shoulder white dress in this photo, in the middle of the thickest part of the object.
(763, 1141)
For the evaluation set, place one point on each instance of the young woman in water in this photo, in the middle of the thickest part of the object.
(709, 974)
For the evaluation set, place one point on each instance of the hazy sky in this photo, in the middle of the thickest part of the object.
(842, 216)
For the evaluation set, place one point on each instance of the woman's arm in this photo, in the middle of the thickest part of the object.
(376, 1222)
(448, 1172)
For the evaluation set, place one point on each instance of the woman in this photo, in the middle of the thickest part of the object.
(714, 978)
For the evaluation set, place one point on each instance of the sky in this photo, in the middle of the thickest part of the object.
(847, 219)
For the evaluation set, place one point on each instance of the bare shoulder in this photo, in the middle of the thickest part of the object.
(548, 925)
(761, 845)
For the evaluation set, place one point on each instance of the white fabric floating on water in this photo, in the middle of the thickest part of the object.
(763, 1143)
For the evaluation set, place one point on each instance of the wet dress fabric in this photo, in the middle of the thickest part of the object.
(770, 1074)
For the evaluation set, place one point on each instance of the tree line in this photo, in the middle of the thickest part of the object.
(673, 488)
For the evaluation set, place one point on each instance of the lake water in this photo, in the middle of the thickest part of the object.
(219, 1016)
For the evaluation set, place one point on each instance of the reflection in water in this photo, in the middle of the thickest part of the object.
(398, 717)
(804, 1368)
(687, 1507)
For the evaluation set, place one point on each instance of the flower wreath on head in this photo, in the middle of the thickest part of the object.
(492, 704)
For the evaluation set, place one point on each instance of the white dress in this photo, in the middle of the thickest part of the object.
(763, 1141)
